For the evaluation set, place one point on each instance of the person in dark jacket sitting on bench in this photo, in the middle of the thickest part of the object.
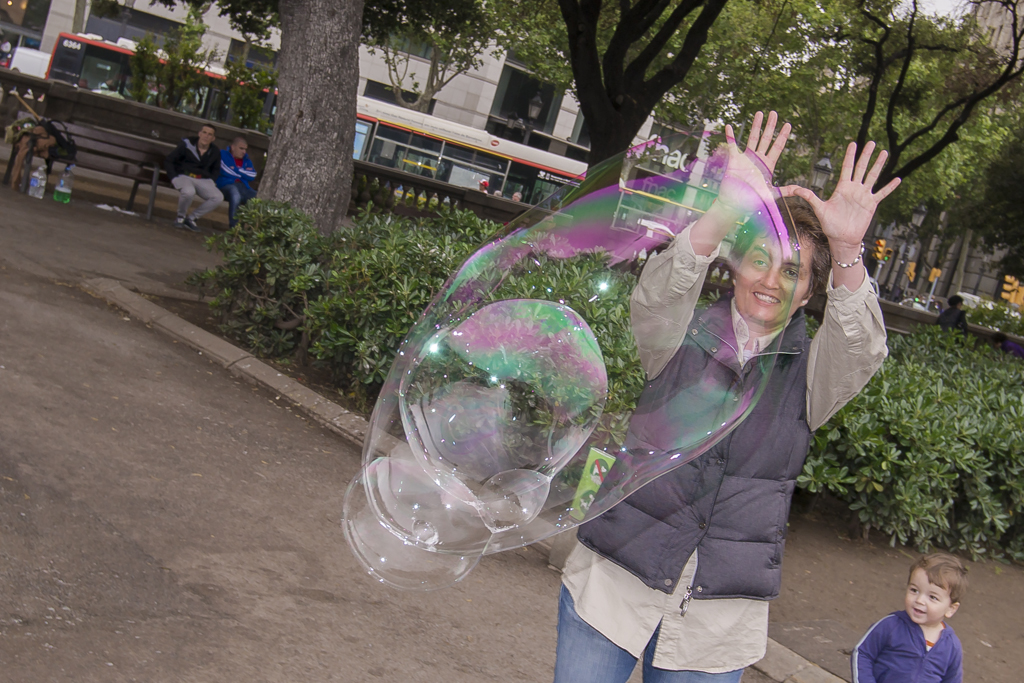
(193, 168)
(236, 170)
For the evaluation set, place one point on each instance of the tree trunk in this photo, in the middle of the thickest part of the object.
(612, 133)
(616, 92)
(78, 21)
(310, 160)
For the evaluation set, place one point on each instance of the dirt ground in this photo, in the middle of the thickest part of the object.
(160, 520)
(829, 578)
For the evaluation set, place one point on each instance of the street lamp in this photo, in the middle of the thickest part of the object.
(535, 106)
(821, 173)
(533, 110)
(917, 218)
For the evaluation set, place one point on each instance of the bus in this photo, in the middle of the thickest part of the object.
(411, 141)
(89, 62)
(386, 134)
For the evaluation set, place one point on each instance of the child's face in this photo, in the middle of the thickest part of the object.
(928, 603)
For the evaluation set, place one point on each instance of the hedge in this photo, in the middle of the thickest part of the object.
(931, 453)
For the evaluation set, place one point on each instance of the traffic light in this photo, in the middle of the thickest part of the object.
(1010, 287)
(935, 274)
(887, 254)
(879, 251)
(911, 272)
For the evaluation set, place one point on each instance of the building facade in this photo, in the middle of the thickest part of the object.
(498, 97)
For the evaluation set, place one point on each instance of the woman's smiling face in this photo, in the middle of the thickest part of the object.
(770, 287)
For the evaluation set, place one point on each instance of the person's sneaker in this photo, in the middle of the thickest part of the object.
(189, 223)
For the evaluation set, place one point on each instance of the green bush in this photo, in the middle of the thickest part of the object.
(932, 451)
(273, 268)
(997, 316)
(382, 274)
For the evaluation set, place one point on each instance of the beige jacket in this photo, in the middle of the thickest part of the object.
(714, 636)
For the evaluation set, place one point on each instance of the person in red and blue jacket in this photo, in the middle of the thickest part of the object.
(236, 170)
(916, 645)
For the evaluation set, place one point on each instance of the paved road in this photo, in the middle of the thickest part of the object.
(160, 521)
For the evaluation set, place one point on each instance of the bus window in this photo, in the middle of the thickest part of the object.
(427, 144)
(362, 134)
(67, 61)
(403, 158)
(466, 167)
(404, 151)
(220, 108)
(102, 70)
(464, 176)
(420, 164)
(534, 183)
(490, 162)
(388, 133)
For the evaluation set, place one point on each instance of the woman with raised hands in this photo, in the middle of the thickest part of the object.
(680, 573)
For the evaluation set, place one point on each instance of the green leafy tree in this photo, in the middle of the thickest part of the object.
(184, 63)
(310, 158)
(450, 50)
(993, 208)
(172, 76)
(145, 65)
(886, 71)
(246, 88)
(623, 57)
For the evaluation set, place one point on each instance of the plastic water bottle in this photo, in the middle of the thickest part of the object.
(62, 193)
(37, 182)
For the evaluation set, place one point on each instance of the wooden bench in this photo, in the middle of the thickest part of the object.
(118, 154)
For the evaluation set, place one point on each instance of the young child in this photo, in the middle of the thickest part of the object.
(915, 645)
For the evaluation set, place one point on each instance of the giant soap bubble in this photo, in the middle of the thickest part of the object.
(518, 407)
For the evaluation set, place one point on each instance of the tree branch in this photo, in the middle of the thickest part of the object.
(637, 69)
(581, 18)
(633, 24)
(695, 39)
(1013, 70)
(876, 79)
(890, 114)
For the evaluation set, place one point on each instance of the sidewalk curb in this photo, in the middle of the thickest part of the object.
(780, 664)
(242, 364)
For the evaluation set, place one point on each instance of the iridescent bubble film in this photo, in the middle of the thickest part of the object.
(518, 406)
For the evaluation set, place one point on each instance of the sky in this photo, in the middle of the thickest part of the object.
(946, 7)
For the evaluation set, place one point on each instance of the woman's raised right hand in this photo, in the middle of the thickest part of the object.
(753, 167)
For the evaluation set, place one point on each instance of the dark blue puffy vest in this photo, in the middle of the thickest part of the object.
(730, 504)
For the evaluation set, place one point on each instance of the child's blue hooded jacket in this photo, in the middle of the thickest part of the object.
(893, 651)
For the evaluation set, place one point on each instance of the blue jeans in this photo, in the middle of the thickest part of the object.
(586, 656)
(237, 194)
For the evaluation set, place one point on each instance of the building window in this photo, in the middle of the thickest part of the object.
(581, 132)
(385, 93)
(137, 25)
(416, 48)
(28, 14)
(517, 93)
(263, 58)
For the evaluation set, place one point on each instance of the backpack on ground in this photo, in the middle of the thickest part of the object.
(65, 150)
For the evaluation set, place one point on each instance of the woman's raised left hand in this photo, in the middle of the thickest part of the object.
(846, 216)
